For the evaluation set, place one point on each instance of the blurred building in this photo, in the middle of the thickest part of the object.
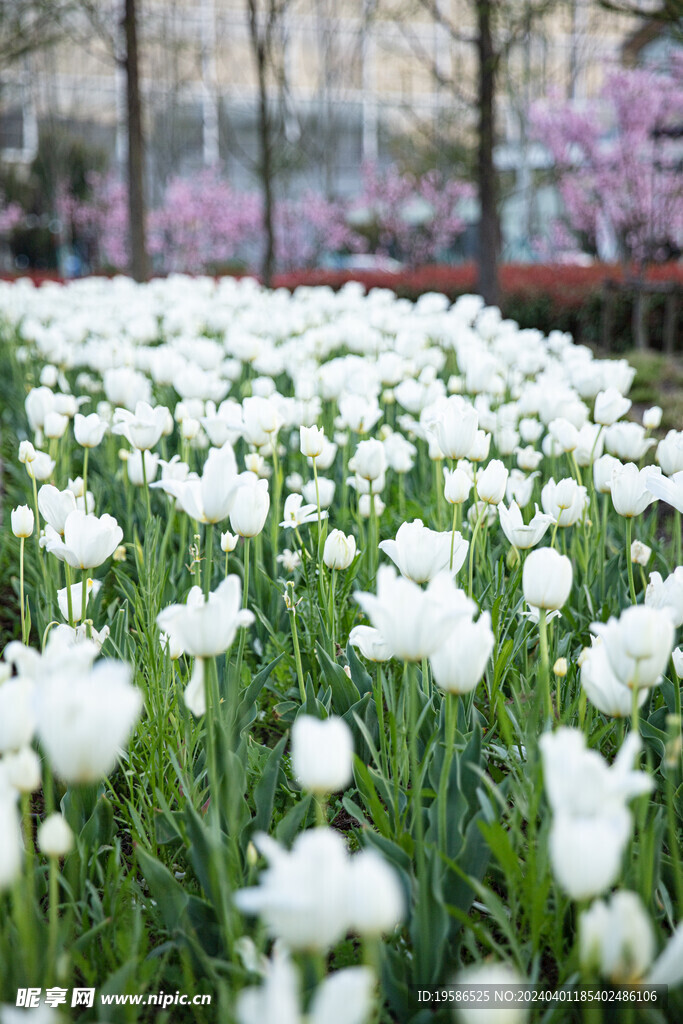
(350, 81)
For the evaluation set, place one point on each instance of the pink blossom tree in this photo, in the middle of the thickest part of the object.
(415, 218)
(618, 163)
(203, 224)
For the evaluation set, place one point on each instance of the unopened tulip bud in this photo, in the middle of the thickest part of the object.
(560, 667)
(652, 418)
(322, 753)
(120, 553)
(23, 770)
(55, 838)
(640, 553)
(339, 551)
(491, 482)
(677, 655)
(189, 428)
(547, 579)
(311, 441)
(55, 425)
(27, 452)
(228, 541)
(255, 463)
(457, 485)
(22, 521)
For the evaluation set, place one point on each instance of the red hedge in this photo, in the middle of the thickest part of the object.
(563, 284)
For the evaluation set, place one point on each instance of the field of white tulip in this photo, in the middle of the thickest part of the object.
(339, 678)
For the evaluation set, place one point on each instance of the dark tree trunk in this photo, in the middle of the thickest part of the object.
(489, 224)
(139, 268)
(260, 46)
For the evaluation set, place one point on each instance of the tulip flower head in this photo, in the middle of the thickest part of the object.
(421, 554)
(322, 753)
(638, 644)
(591, 823)
(85, 717)
(88, 541)
(413, 622)
(144, 427)
(547, 579)
(23, 521)
(340, 550)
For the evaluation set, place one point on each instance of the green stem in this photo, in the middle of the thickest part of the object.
(603, 544)
(673, 840)
(451, 708)
(245, 598)
(629, 563)
(144, 480)
(330, 612)
(317, 499)
(69, 599)
(373, 539)
(295, 641)
(275, 511)
(424, 943)
(209, 670)
(545, 665)
(84, 594)
(554, 536)
(321, 811)
(455, 516)
(86, 452)
(635, 711)
(24, 638)
(208, 551)
(53, 921)
(472, 548)
(438, 487)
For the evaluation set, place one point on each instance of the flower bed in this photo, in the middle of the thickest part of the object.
(343, 677)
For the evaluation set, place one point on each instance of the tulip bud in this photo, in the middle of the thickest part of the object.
(250, 508)
(677, 655)
(255, 463)
(312, 441)
(22, 521)
(228, 541)
(377, 904)
(481, 445)
(339, 551)
(491, 482)
(326, 488)
(55, 838)
(640, 553)
(189, 428)
(322, 753)
(369, 460)
(616, 939)
(547, 579)
(27, 452)
(364, 505)
(457, 485)
(560, 667)
(89, 430)
(652, 418)
(23, 770)
(55, 425)
(610, 406)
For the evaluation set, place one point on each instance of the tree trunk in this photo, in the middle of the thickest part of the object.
(139, 268)
(259, 45)
(489, 225)
(266, 181)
